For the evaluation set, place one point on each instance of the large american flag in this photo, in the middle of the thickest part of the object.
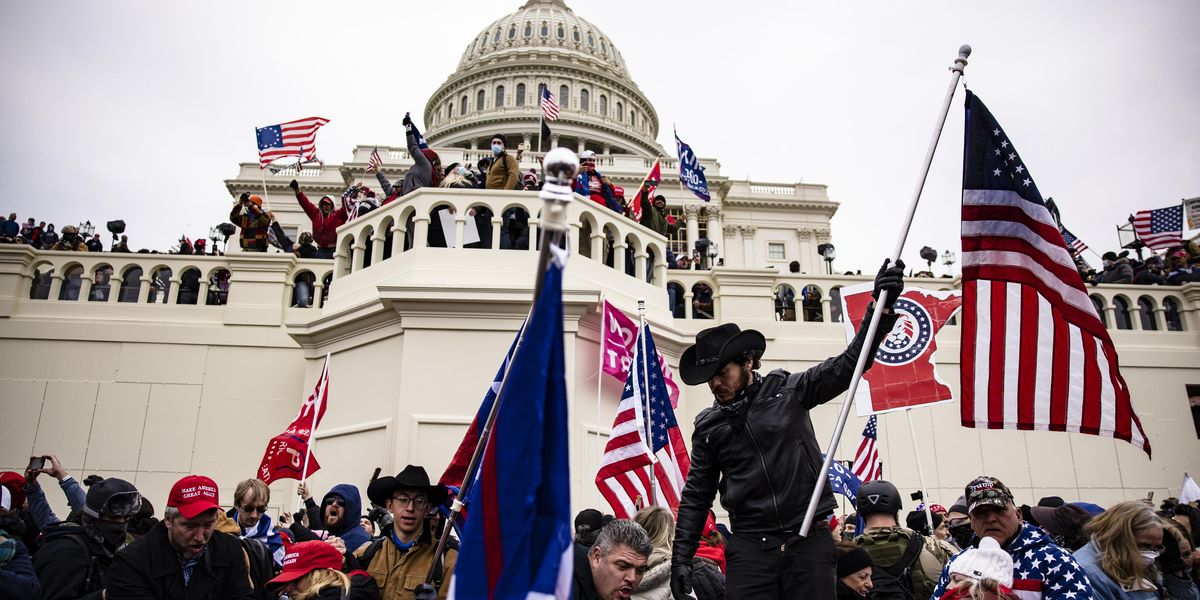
(624, 478)
(1160, 228)
(1034, 353)
(291, 139)
(549, 106)
(867, 466)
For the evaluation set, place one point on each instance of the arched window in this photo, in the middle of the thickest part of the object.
(499, 96)
(675, 300)
(451, 113)
(835, 305)
(131, 284)
(591, 40)
(496, 38)
(620, 112)
(101, 284)
(575, 34)
(529, 30)
(632, 119)
(1146, 313)
(545, 31)
(462, 106)
(1171, 312)
(1098, 302)
(512, 31)
(520, 94)
(189, 286)
(603, 105)
(564, 96)
(603, 47)
(479, 101)
(810, 303)
(160, 286)
(702, 301)
(538, 101)
(562, 33)
(785, 303)
(585, 102)
(72, 283)
(1121, 308)
(218, 288)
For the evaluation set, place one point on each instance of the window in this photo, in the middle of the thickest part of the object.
(1193, 392)
(564, 96)
(562, 33)
(479, 101)
(575, 35)
(632, 119)
(512, 31)
(591, 40)
(496, 38)
(776, 251)
(1121, 308)
(545, 29)
(603, 47)
(499, 96)
(520, 94)
(620, 112)
(1098, 302)
(1170, 311)
(810, 303)
(785, 303)
(462, 106)
(603, 105)
(451, 113)
(1146, 312)
(584, 101)
(835, 305)
(529, 30)
(541, 87)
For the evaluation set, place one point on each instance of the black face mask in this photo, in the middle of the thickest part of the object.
(962, 534)
(112, 534)
(12, 523)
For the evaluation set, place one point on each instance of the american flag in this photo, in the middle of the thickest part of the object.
(1034, 353)
(624, 479)
(867, 466)
(1160, 228)
(294, 138)
(1074, 245)
(374, 162)
(549, 106)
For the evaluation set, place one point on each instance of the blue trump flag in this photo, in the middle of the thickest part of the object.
(843, 481)
(517, 541)
(690, 171)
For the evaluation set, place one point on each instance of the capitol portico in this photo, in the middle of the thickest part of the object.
(110, 366)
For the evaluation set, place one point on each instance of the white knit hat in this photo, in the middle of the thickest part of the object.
(5, 498)
(988, 561)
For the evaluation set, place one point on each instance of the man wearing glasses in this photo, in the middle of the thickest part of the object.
(400, 560)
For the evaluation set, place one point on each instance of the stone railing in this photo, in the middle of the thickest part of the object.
(396, 156)
(500, 221)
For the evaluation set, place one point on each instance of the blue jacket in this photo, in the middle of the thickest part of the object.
(18, 580)
(1103, 586)
(350, 530)
(581, 188)
(43, 515)
(1041, 569)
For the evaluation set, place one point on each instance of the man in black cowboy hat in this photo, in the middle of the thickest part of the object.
(756, 445)
(407, 547)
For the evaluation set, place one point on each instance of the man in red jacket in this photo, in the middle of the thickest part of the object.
(325, 221)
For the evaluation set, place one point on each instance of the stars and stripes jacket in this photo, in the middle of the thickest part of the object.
(1041, 569)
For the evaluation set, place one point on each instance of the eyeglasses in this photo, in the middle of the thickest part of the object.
(416, 501)
(262, 510)
(332, 501)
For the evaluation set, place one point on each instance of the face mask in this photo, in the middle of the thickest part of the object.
(1107, 263)
(112, 533)
(1149, 556)
(461, 171)
(497, 149)
(962, 534)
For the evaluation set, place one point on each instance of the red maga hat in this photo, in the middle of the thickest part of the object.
(193, 495)
(305, 557)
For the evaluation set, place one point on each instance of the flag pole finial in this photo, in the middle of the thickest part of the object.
(964, 52)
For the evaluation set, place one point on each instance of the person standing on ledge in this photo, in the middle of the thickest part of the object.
(756, 444)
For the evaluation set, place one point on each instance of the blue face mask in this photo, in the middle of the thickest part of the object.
(497, 149)
(461, 171)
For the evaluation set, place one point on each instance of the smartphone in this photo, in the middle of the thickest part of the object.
(37, 463)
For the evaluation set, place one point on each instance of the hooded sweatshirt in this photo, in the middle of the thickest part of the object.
(1041, 569)
(324, 228)
(349, 530)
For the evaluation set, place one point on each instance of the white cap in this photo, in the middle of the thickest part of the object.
(587, 155)
(5, 498)
(988, 561)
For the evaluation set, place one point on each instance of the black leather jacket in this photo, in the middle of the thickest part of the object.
(764, 458)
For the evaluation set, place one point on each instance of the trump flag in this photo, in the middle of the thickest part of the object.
(288, 453)
(903, 375)
(618, 339)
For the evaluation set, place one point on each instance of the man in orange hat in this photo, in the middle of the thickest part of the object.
(249, 216)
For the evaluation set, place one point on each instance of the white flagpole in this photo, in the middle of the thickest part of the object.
(920, 470)
(312, 431)
(956, 71)
(600, 363)
(653, 500)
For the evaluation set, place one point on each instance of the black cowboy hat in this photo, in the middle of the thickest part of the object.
(714, 348)
(411, 478)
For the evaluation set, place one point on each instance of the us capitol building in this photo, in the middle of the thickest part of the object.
(127, 376)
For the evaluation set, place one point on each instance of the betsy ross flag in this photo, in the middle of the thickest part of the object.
(517, 542)
(1160, 228)
(549, 106)
(286, 452)
(1034, 353)
(624, 479)
(867, 466)
(291, 139)
(374, 162)
(650, 185)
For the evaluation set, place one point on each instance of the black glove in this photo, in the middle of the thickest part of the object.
(425, 592)
(245, 197)
(891, 280)
(295, 185)
(681, 580)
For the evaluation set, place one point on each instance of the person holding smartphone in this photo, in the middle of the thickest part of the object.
(39, 506)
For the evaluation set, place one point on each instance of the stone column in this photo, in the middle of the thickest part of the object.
(460, 227)
(421, 234)
(534, 233)
(582, 144)
(715, 231)
(398, 230)
(748, 244)
(359, 251)
(202, 295)
(619, 255)
(85, 288)
(822, 237)
(825, 316)
(687, 304)
(318, 293)
(172, 290)
(598, 246)
(575, 237)
(56, 281)
(378, 241)
(660, 273)
(732, 235)
(114, 287)
(144, 284)
(1160, 318)
(804, 235)
(692, 213)
(1111, 313)
(639, 265)
(496, 223)
(553, 141)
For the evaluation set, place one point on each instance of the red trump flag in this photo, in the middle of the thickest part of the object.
(288, 455)
(903, 375)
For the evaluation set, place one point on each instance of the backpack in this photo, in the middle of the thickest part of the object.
(895, 581)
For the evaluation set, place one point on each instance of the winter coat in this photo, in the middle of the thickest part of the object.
(39, 508)
(10, 228)
(583, 188)
(398, 573)
(1041, 569)
(1119, 271)
(71, 563)
(845, 593)
(75, 245)
(654, 220)
(764, 457)
(350, 530)
(656, 582)
(1180, 588)
(49, 238)
(708, 582)
(253, 225)
(149, 569)
(324, 228)
(1106, 587)
(504, 173)
(583, 587)
(18, 581)
(418, 176)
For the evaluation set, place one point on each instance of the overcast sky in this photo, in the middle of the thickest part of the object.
(139, 110)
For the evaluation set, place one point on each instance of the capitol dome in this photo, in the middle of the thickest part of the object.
(497, 87)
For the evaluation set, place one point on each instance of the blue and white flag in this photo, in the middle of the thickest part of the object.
(690, 171)
(517, 541)
(843, 481)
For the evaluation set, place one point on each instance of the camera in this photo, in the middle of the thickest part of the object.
(37, 463)
(116, 228)
(917, 496)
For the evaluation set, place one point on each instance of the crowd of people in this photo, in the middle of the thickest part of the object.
(1177, 266)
